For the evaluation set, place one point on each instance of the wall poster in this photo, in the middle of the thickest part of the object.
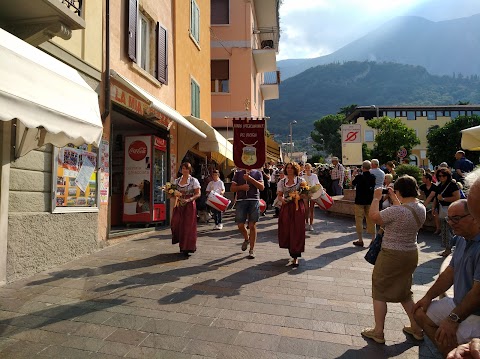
(75, 172)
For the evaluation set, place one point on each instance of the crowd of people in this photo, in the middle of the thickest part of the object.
(387, 202)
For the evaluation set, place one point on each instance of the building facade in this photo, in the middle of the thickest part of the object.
(418, 118)
(244, 43)
(56, 50)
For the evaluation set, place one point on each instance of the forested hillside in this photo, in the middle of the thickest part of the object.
(325, 89)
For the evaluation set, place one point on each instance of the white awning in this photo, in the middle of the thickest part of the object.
(471, 139)
(156, 103)
(214, 142)
(50, 99)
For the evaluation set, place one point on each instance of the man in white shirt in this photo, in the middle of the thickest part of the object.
(378, 173)
(216, 186)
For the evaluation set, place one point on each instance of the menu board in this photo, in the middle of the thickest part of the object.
(76, 170)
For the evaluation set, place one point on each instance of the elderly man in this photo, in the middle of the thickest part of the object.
(378, 173)
(462, 166)
(338, 176)
(364, 183)
(452, 321)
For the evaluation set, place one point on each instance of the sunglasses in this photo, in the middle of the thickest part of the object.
(456, 219)
(442, 175)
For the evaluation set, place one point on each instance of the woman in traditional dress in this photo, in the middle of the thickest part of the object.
(312, 180)
(184, 218)
(291, 222)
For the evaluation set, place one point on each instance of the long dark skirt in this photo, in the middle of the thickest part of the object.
(291, 228)
(184, 227)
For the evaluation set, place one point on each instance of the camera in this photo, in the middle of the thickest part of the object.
(385, 191)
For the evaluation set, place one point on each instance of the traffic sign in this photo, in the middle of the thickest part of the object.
(402, 152)
(351, 134)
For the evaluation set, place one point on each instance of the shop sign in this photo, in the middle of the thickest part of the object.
(249, 143)
(125, 99)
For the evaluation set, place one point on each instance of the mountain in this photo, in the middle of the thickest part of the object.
(323, 90)
(443, 48)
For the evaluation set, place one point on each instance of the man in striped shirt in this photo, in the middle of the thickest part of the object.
(338, 175)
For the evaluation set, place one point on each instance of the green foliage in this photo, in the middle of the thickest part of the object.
(322, 90)
(366, 152)
(410, 170)
(316, 159)
(392, 134)
(444, 141)
(327, 135)
(347, 110)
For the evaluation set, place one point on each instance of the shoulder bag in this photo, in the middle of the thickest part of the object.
(376, 245)
(443, 210)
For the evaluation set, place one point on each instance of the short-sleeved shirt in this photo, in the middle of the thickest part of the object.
(446, 191)
(311, 180)
(401, 228)
(427, 191)
(216, 186)
(253, 193)
(464, 165)
(466, 267)
(379, 176)
(364, 185)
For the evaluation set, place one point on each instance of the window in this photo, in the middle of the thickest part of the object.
(431, 115)
(220, 11)
(143, 43)
(195, 21)
(220, 75)
(195, 97)
(369, 137)
(391, 114)
(139, 43)
(454, 114)
(411, 115)
(439, 113)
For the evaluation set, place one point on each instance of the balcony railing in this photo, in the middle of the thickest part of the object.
(271, 78)
(74, 5)
(266, 38)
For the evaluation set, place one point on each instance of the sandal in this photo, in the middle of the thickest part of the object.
(409, 330)
(358, 243)
(370, 333)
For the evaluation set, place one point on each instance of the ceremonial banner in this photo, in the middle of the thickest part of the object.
(249, 143)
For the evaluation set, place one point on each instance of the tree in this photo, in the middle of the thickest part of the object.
(327, 134)
(366, 152)
(392, 134)
(444, 141)
(347, 110)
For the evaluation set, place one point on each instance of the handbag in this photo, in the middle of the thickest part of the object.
(375, 247)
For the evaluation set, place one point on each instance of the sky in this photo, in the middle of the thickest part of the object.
(313, 28)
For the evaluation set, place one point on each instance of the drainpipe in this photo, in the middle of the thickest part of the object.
(107, 103)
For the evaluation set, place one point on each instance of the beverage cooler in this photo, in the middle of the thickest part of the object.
(145, 174)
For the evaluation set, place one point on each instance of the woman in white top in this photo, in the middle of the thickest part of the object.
(312, 180)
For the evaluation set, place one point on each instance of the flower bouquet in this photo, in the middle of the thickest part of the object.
(172, 191)
(294, 196)
(309, 190)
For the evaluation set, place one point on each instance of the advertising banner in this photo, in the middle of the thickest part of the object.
(249, 143)
(137, 184)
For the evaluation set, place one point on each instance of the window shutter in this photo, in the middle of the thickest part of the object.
(192, 97)
(219, 69)
(197, 24)
(219, 12)
(132, 30)
(162, 54)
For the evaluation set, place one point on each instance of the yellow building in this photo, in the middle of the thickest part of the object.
(51, 69)
(192, 78)
(419, 118)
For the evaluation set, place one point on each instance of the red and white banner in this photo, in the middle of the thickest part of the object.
(249, 143)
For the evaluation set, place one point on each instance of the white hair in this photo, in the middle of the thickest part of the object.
(375, 162)
(472, 177)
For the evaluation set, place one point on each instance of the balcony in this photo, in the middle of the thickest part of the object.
(269, 87)
(38, 21)
(266, 12)
(265, 48)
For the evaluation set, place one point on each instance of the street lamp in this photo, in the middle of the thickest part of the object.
(291, 138)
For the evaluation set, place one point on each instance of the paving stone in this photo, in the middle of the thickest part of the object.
(63, 352)
(256, 340)
(167, 342)
(22, 350)
(221, 335)
(115, 348)
(127, 336)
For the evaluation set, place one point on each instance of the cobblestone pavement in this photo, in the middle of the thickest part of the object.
(141, 299)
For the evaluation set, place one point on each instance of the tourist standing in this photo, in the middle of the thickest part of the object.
(337, 175)
(312, 180)
(364, 184)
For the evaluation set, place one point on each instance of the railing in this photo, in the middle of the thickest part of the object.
(266, 38)
(271, 78)
(74, 5)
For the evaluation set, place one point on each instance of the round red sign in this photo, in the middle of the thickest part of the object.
(137, 150)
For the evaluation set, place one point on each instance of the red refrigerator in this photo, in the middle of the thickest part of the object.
(145, 174)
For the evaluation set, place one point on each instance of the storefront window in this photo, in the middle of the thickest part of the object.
(75, 182)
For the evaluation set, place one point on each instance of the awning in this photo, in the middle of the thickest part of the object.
(156, 103)
(471, 139)
(214, 142)
(273, 150)
(50, 99)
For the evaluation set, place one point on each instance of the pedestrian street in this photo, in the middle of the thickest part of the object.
(141, 299)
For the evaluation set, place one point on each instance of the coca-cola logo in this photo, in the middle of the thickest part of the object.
(137, 150)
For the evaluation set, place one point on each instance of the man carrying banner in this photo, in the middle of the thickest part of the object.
(247, 184)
